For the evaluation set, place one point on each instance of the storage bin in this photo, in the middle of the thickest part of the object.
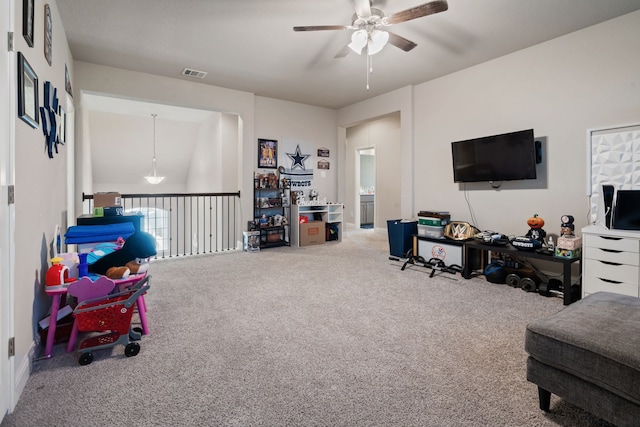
(431, 231)
(433, 221)
(401, 234)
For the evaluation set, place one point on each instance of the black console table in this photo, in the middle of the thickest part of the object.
(474, 246)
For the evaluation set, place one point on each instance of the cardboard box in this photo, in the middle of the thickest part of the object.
(108, 211)
(569, 242)
(312, 233)
(107, 199)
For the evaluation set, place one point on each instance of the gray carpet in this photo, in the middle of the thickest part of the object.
(329, 335)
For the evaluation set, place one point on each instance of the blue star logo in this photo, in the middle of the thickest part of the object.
(298, 159)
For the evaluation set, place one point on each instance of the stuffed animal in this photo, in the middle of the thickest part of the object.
(140, 245)
(136, 266)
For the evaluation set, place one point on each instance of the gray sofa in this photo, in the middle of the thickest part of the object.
(589, 354)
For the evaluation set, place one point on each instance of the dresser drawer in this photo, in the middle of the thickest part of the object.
(609, 271)
(611, 255)
(592, 284)
(616, 243)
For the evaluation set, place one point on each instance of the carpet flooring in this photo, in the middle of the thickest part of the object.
(326, 335)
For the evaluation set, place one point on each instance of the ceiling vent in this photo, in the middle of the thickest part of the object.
(194, 73)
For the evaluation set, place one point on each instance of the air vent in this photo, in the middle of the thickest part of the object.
(194, 73)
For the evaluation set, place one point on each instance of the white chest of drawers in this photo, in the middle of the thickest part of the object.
(611, 261)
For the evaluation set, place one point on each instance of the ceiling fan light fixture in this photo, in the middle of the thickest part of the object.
(377, 40)
(359, 40)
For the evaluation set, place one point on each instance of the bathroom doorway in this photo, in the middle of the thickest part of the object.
(367, 187)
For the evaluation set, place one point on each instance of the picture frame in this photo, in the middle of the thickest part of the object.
(267, 154)
(67, 81)
(27, 92)
(323, 152)
(62, 124)
(28, 9)
(48, 34)
(324, 164)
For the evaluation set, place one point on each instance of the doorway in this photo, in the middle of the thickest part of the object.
(367, 187)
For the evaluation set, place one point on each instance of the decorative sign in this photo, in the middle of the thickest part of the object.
(323, 152)
(298, 174)
(50, 115)
(323, 164)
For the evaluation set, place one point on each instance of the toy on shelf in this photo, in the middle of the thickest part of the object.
(536, 232)
(58, 273)
(567, 228)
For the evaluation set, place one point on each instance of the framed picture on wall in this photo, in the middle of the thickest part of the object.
(27, 21)
(27, 92)
(67, 81)
(62, 125)
(48, 34)
(267, 153)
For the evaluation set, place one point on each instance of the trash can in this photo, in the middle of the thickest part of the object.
(401, 233)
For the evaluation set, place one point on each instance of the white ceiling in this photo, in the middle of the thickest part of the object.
(250, 45)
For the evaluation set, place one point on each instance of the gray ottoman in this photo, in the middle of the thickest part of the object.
(589, 355)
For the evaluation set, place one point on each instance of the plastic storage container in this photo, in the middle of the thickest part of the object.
(401, 234)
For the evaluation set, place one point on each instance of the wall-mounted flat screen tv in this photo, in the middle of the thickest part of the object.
(504, 157)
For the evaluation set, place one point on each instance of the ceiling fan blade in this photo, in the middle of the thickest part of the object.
(320, 28)
(418, 11)
(343, 52)
(400, 42)
(362, 7)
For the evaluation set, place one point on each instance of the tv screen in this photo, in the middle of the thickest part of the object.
(626, 212)
(505, 157)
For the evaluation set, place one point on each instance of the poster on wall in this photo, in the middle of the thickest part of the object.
(267, 153)
(296, 170)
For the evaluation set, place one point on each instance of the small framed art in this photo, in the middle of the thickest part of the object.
(267, 153)
(27, 92)
(27, 21)
(48, 34)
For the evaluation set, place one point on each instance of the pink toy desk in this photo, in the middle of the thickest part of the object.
(57, 292)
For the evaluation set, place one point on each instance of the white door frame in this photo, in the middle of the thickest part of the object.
(7, 212)
(358, 170)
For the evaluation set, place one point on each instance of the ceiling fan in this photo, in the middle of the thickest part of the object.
(370, 25)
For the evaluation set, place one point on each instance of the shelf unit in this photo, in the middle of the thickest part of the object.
(330, 213)
(271, 211)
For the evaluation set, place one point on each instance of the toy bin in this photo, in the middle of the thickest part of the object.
(401, 234)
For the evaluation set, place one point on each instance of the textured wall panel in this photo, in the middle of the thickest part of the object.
(615, 160)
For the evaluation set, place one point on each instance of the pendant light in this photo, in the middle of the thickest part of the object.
(153, 177)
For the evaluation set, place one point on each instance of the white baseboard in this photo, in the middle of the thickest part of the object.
(22, 373)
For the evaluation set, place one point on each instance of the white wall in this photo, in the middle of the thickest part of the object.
(384, 135)
(40, 190)
(312, 127)
(92, 78)
(401, 101)
(560, 89)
